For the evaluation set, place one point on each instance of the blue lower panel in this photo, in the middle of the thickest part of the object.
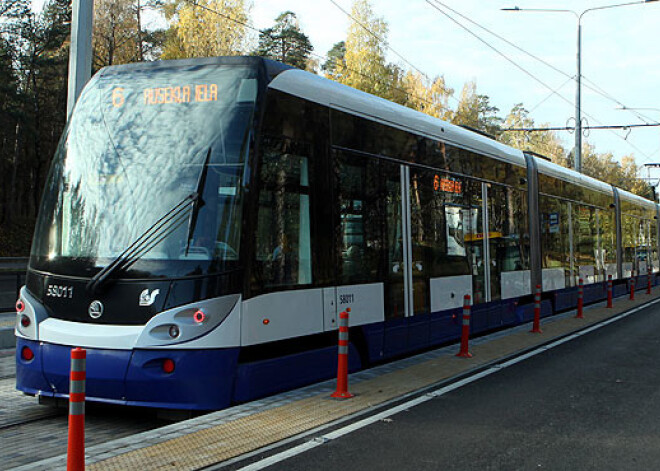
(202, 379)
(525, 312)
(445, 325)
(261, 378)
(29, 374)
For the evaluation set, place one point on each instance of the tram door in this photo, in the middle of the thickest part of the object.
(475, 224)
(396, 304)
(406, 293)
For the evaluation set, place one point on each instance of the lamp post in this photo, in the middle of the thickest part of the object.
(578, 77)
(80, 52)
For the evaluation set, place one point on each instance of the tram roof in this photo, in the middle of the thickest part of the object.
(343, 98)
(273, 68)
(571, 176)
(636, 199)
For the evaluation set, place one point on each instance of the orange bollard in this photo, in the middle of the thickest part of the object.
(580, 305)
(609, 291)
(536, 327)
(342, 358)
(75, 460)
(465, 332)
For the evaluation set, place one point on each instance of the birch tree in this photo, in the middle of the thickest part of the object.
(207, 28)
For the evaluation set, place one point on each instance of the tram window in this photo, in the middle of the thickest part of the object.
(437, 226)
(551, 186)
(653, 236)
(443, 156)
(607, 229)
(364, 135)
(630, 232)
(283, 242)
(555, 221)
(509, 234)
(361, 228)
(584, 240)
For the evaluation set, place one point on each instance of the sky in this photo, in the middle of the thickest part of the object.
(620, 57)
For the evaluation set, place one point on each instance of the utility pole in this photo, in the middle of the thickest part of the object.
(80, 54)
(578, 78)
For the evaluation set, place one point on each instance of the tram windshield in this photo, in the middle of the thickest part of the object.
(138, 143)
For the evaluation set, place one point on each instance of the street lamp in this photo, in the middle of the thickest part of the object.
(578, 78)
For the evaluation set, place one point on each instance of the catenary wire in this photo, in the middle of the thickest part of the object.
(326, 58)
(590, 85)
(525, 71)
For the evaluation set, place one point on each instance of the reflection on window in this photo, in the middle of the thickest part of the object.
(361, 228)
(607, 229)
(585, 241)
(555, 227)
(283, 243)
(437, 224)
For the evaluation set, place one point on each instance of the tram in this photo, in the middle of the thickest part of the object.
(205, 221)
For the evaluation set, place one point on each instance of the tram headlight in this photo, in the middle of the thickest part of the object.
(174, 331)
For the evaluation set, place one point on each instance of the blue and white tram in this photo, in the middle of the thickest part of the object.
(205, 221)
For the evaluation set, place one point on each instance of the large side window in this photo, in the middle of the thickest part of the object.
(555, 244)
(437, 214)
(283, 243)
(585, 241)
(508, 235)
(630, 231)
(607, 229)
(653, 239)
(361, 221)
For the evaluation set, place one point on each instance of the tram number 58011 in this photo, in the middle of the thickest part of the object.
(56, 291)
(346, 298)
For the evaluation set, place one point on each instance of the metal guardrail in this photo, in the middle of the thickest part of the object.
(12, 277)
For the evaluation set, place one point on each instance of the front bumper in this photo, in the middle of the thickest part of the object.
(201, 380)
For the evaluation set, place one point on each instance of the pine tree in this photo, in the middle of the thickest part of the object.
(336, 56)
(285, 42)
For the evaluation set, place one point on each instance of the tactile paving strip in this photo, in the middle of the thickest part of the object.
(222, 442)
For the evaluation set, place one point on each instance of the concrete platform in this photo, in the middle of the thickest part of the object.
(233, 434)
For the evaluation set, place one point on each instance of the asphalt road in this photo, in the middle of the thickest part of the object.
(590, 404)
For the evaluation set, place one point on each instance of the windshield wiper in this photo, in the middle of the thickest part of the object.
(197, 205)
(148, 240)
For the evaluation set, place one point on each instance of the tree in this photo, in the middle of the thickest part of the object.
(546, 143)
(206, 29)
(115, 33)
(432, 100)
(33, 74)
(285, 42)
(475, 111)
(336, 57)
(364, 65)
(119, 36)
